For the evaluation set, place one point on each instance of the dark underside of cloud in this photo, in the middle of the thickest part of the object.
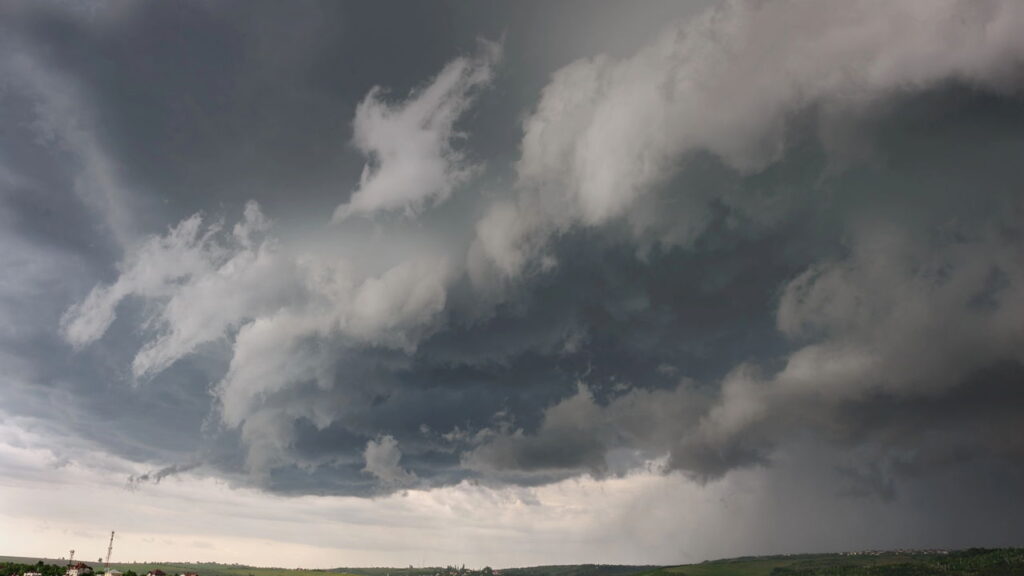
(662, 255)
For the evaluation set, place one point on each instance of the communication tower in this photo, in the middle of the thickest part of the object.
(110, 548)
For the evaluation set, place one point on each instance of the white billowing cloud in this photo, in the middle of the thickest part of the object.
(286, 316)
(501, 237)
(182, 253)
(412, 159)
(254, 280)
(206, 281)
(302, 345)
(270, 354)
(383, 461)
(289, 316)
(606, 132)
(299, 346)
(394, 308)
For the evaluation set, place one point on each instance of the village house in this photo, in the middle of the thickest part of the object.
(79, 569)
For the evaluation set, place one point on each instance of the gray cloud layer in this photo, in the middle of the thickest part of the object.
(772, 228)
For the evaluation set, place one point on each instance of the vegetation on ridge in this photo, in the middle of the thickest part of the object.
(972, 562)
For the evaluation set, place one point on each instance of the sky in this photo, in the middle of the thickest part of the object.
(322, 284)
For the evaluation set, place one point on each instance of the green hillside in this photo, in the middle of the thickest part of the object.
(19, 565)
(173, 568)
(973, 562)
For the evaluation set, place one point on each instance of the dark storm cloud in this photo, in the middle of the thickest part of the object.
(230, 101)
(208, 106)
(702, 249)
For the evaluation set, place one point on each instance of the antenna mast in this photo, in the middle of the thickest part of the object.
(110, 549)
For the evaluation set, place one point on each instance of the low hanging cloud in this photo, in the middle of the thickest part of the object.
(383, 461)
(902, 319)
(411, 145)
(580, 435)
(155, 476)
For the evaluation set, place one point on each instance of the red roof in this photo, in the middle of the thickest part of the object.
(81, 565)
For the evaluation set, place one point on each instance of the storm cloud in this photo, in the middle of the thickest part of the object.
(758, 238)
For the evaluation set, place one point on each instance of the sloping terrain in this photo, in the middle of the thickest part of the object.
(973, 562)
